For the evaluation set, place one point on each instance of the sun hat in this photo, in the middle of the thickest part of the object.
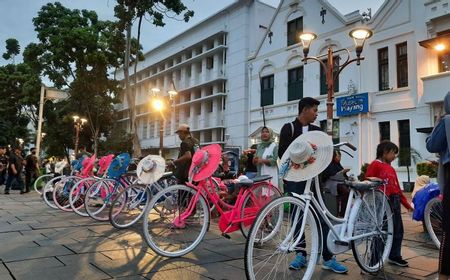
(88, 166)
(104, 163)
(311, 151)
(150, 169)
(204, 162)
(119, 165)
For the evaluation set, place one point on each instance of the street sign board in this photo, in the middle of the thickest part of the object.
(352, 104)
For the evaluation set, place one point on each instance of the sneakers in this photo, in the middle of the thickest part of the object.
(398, 261)
(334, 266)
(298, 263)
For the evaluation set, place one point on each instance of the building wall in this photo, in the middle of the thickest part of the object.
(207, 65)
(397, 21)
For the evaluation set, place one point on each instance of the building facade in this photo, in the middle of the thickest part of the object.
(207, 66)
(404, 78)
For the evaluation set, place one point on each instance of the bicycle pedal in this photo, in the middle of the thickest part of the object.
(226, 236)
(342, 243)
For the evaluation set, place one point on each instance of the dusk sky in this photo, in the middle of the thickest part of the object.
(16, 17)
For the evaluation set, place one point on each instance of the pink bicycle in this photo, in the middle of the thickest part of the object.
(179, 216)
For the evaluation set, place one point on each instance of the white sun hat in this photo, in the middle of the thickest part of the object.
(150, 169)
(312, 152)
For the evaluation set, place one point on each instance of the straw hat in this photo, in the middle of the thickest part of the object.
(311, 151)
(150, 169)
(204, 162)
(119, 165)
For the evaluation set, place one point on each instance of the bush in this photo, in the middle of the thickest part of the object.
(427, 168)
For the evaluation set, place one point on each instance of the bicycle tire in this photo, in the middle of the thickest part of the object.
(433, 220)
(129, 206)
(173, 202)
(99, 197)
(47, 192)
(256, 198)
(77, 195)
(41, 181)
(271, 243)
(373, 215)
(61, 191)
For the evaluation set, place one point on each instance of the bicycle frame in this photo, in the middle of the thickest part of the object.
(345, 235)
(203, 189)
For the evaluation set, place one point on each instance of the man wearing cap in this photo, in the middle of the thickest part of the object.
(15, 170)
(307, 114)
(188, 147)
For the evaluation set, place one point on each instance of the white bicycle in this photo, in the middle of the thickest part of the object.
(289, 225)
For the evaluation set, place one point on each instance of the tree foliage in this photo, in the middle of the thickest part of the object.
(19, 90)
(77, 51)
(127, 11)
(12, 49)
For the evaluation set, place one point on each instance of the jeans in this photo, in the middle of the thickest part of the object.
(30, 177)
(299, 188)
(14, 180)
(398, 226)
(250, 174)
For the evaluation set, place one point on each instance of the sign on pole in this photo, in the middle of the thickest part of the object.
(352, 104)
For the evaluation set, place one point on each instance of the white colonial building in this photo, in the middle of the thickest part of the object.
(207, 64)
(404, 78)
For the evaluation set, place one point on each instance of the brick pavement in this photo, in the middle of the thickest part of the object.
(41, 243)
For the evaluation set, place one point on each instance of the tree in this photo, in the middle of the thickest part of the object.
(12, 49)
(127, 11)
(76, 51)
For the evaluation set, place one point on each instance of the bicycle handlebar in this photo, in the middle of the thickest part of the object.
(345, 144)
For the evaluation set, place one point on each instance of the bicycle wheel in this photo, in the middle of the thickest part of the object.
(167, 231)
(373, 218)
(77, 195)
(164, 182)
(41, 181)
(47, 191)
(99, 197)
(61, 191)
(269, 251)
(256, 198)
(129, 205)
(433, 220)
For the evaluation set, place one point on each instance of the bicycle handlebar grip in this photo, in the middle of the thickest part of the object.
(350, 146)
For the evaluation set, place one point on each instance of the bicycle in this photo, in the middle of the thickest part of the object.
(274, 238)
(78, 191)
(41, 181)
(433, 219)
(178, 217)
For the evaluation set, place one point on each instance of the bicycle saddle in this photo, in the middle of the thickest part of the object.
(363, 185)
(262, 178)
(245, 183)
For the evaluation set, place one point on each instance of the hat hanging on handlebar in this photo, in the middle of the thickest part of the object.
(307, 156)
(204, 162)
(150, 169)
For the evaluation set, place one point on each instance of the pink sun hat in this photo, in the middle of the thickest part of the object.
(204, 162)
(88, 166)
(104, 163)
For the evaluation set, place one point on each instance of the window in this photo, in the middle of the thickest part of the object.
(294, 28)
(295, 83)
(402, 65)
(144, 128)
(385, 130)
(444, 62)
(209, 63)
(383, 69)
(404, 141)
(336, 127)
(210, 106)
(267, 90)
(323, 76)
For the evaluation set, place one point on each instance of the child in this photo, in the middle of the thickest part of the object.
(381, 168)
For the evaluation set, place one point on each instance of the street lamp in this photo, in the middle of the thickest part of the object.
(159, 102)
(359, 36)
(78, 124)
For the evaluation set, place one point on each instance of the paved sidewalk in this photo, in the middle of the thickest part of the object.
(41, 243)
